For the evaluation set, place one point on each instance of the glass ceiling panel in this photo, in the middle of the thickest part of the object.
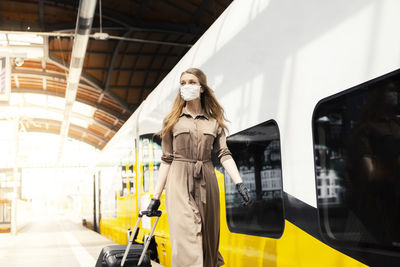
(56, 102)
(16, 99)
(24, 39)
(40, 113)
(41, 150)
(7, 130)
(51, 102)
(36, 99)
(82, 108)
(79, 122)
(18, 43)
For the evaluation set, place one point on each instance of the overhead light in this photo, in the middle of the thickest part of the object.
(19, 61)
(101, 36)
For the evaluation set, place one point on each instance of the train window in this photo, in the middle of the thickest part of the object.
(131, 175)
(357, 151)
(145, 161)
(257, 154)
(157, 152)
(124, 179)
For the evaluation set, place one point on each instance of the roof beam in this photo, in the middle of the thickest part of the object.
(126, 69)
(41, 14)
(165, 59)
(149, 69)
(46, 75)
(111, 67)
(136, 24)
(68, 27)
(39, 74)
(135, 106)
(89, 80)
(129, 87)
(106, 36)
(170, 3)
(143, 5)
(198, 12)
(120, 53)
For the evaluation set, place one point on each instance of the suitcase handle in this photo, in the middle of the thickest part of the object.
(150, 213)
(147, 243)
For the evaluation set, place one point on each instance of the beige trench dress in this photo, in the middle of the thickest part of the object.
(192, 194)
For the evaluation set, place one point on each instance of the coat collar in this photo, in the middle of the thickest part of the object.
(185, 112)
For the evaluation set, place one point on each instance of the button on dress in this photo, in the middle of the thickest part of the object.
(192, 193)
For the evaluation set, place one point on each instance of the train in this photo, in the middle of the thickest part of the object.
(311, 89)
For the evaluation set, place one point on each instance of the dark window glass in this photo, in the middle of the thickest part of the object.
(124, 179)
(257, 154)
(131, 179)
(357, 148)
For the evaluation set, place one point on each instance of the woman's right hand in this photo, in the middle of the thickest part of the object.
(153, 207)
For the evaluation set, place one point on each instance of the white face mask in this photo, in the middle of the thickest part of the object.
(190, 91)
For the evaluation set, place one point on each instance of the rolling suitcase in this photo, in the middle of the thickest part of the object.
(130, 255)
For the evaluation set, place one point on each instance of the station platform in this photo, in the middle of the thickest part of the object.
(52, 240)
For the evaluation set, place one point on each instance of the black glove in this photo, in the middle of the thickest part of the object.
(153, 207)
(244, 192)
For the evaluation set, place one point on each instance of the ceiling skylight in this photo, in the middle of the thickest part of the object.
(21, 39)
(28, 105)
(82, 108)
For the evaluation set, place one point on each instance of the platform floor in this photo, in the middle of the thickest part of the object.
(52, 241)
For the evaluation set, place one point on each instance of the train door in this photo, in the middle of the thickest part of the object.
(150, 161)
(146, 173)
(132, 179)
(257, 153)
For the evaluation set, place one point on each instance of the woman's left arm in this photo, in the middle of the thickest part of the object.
(225, 157)
(231, 168)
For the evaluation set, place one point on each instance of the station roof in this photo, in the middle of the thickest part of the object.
(140, 41)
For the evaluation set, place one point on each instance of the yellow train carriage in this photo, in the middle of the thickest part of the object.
(320, 160)
(289, 246)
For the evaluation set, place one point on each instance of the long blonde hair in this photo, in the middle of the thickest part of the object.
(208, 102)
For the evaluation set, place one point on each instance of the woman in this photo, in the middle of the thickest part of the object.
(191, 131)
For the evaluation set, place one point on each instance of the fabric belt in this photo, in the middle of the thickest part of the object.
(199, 183)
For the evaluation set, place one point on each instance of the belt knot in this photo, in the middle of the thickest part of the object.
(198, 167)
(198, 183)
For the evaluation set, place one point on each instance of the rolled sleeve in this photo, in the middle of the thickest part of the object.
(167, 149)
(220, 147)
